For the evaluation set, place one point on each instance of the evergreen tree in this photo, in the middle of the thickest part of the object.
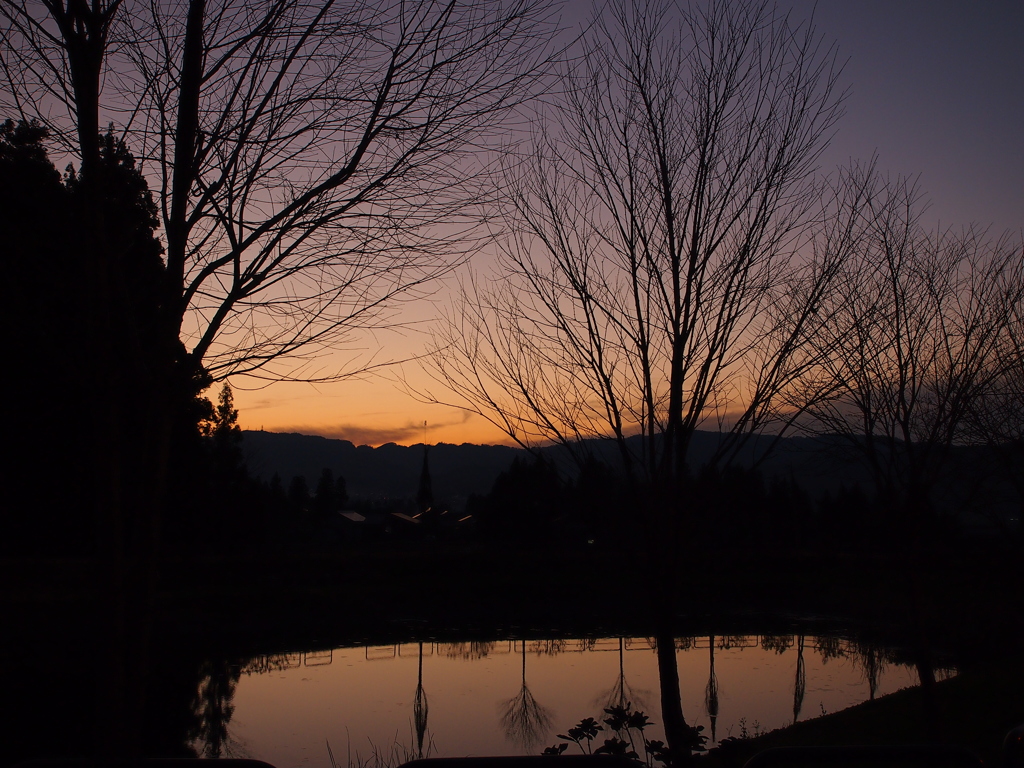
(104, 395)
(225, 436)
(324, 501)
(43, 333)
(340, 492)
(298, 496)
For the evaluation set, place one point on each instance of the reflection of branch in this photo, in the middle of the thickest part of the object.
(873, 665)
(524, 720)
(420, 709)
(469, 651)
(622, 693)
(548, 647)
(261, 665)
(711, 691)
(800, 688)
(830, 648)
(778, 643)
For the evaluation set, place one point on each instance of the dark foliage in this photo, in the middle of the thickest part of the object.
(84, 325)
(106, 406)
(528, 503)
(45, 338)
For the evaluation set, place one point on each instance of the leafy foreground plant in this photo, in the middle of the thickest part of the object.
(628, 727)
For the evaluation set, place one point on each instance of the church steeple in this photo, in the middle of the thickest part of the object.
(425, 493)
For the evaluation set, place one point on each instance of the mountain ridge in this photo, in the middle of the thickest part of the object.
(458, 471)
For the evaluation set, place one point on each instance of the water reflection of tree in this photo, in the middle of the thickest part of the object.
(213, 708)
(678, 733)
(551, 647)
(711, 691)
(419, 707)
(732, 641)
(265, 664)
(872, 662)
(800, 686)
(470, 651)
(523, 718)
(830, 647)
(622, 693)
(777, 643)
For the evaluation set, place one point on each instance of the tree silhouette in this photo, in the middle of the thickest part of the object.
(118, 399)
(43, 331)
(324, 499)
(918, 325)
(649, 283)
(302, 150)
(92, 339)
(225, 435)
(340, 491)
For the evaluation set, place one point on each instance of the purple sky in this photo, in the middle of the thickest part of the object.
(937, 89)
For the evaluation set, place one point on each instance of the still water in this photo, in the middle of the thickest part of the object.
(514, 696)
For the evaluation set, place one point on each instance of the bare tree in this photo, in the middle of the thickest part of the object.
(313, 159)
(996, 418)
(650, 283)
(920, 326)
(652, 279)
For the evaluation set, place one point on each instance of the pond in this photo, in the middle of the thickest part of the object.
(516, 696)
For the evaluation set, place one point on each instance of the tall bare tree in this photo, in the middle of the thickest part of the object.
(311, 158)
(651, 280)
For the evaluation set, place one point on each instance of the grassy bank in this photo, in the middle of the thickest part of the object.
(973, 710)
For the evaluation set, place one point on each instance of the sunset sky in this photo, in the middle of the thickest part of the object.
(937, 89)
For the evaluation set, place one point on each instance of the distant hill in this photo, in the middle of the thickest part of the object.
(457, 471)
(818, 464)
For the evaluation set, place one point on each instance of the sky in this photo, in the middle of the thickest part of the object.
(936, 91)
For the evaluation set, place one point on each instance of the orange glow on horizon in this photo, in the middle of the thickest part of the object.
(364, 412)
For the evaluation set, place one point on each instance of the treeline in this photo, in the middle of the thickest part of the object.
(534, 504)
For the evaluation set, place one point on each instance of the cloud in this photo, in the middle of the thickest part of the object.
(259, 405)
(360, 434)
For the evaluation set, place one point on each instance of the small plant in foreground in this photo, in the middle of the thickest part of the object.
(752, 732)
(628, 727)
